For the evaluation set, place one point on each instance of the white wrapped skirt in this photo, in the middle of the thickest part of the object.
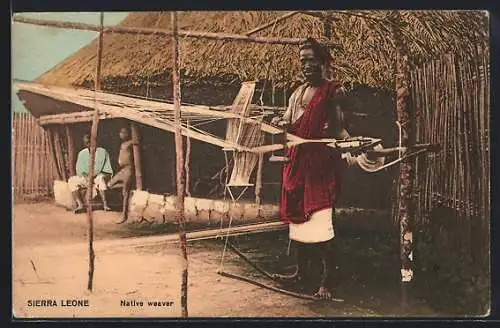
(317, 229)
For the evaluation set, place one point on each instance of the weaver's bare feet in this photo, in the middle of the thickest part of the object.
(323, 293)
(107, 208)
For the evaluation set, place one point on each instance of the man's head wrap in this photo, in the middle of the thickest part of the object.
(320, 51)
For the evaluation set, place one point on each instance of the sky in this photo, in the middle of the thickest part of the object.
(37, 49)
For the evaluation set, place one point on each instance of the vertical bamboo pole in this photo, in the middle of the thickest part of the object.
(71, 150)
(22, 149)
(19, 167)
(186, 166)
(52, 150)
(37, 161)
(406, 169)
(59, 153)
(260, 165)
(463, 230)
(47, 166)
(52, 174)
(258, 182)
(26, 154)
(179, 162)
(273, 86)
(17, 147)
(43, 166)
(14, 154)
(30, 143)
(93, 146)
(484, 110)
(29, 185)
(136, 148)
(31, 155)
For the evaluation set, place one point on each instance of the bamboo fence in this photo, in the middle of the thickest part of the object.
(450, 98)
(33, 170)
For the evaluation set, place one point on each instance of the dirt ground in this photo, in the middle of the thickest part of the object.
(50, 261)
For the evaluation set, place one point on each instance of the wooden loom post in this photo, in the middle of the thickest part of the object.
(260, 163)
(187, 162)
(136, 147)
(406, 173)
(258, 182)
(93, 146)
(179, 162)
(71, 150)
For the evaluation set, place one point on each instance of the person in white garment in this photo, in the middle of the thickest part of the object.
(312, 174)
(102, 172)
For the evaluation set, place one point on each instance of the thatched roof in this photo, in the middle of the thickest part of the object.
(366, 54)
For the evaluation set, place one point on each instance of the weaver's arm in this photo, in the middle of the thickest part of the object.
(336, 125)
(340, 117)
(287, 117)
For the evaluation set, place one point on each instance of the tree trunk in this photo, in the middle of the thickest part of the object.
(405, 120)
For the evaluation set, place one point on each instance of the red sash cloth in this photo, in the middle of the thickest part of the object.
(311, 178)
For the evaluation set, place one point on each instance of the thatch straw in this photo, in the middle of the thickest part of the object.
(367, 54)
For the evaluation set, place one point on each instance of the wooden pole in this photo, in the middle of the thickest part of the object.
(274, 288)
(52, 150)
(273, 92)
(187, 163)
(164, 32)
(136, 146)
(93, 146)
(71, 150)
(179, 163)
(69, 118)
(36, 157)
(406, 169)
(279, 19)
(21, 145)
(59, 153)
(258, 182)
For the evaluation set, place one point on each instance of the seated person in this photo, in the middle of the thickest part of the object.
(125, 175)
(102, 172)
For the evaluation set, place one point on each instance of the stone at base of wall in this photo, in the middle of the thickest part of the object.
(62, 194)
(162, 209)
(64, 198)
